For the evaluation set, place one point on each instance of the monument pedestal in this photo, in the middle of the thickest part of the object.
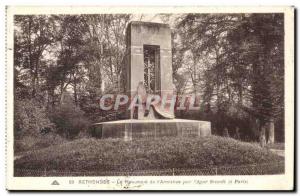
(156, 128)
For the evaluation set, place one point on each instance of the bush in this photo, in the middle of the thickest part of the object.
(30, 118)
(69, 120)
(32, 143)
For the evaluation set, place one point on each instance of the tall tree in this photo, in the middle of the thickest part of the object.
(33, 34)
(242, 60)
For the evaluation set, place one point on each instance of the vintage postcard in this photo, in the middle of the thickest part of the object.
(150, 98)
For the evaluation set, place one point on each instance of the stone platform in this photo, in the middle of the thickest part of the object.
(133, 129)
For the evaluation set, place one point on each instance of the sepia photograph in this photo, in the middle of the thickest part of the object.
(178, 94)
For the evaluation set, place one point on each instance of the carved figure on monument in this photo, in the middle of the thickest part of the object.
(147, 107)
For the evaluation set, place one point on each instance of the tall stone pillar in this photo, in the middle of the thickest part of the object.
(139, 37)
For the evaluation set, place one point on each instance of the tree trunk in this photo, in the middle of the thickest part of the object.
(51, 99)
(75, 92)
(262, 137)
(271, 134)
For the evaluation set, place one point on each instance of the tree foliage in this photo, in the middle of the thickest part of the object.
(236, 64)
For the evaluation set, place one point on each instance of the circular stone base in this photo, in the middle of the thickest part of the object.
(132, 128)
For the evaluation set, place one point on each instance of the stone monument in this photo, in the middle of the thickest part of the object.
(149, 61)
(148, 71)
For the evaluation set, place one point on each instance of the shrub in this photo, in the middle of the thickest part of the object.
(69, 120)
(30, 118)
(37, 142)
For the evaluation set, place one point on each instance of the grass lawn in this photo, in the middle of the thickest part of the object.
(90, 154)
